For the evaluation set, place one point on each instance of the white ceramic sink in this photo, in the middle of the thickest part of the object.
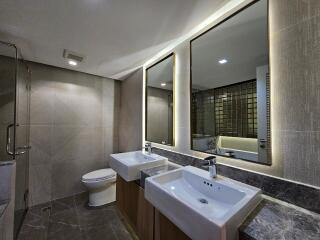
(202, 207)
(129, 164)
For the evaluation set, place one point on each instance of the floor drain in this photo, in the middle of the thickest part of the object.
(202, 200)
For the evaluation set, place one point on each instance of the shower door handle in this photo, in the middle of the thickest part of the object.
(9, 152)
(8, 147)
(25, 148)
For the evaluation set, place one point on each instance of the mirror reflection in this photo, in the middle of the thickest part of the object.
(159, 102)
(230, 87)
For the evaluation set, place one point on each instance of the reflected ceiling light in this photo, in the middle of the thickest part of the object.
(72, 63)
(163, 84)
(223, 61)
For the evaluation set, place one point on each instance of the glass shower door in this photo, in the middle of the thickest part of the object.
(7, 101)
(22, 142)
(14, 123)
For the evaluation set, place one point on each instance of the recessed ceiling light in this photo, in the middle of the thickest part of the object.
(163, 84)
(72, 58)
(223, 61)
(72, 63)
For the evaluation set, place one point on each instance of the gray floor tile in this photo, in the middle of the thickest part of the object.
(95, 217)
(102, 232)
(62, 205)
(36, 234)
(71, 218)
(67, 217)
(62, 231)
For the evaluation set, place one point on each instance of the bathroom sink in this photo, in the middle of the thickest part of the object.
(202, 207)
(129, 164)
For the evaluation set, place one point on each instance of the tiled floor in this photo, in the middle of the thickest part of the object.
(71, 219)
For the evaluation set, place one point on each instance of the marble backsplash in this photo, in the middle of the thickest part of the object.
(298, 194)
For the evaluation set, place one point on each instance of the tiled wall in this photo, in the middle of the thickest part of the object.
(295, 87)
(73, 129)
(295, 98)
(130, 125)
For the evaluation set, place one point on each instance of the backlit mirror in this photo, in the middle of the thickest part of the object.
(160, 102)
(230, 110)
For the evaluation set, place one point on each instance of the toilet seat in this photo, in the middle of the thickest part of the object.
(99, 175)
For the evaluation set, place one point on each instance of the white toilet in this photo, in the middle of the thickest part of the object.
(101, 185)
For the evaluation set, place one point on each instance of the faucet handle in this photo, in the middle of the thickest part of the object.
(147, 144)
(210, 160)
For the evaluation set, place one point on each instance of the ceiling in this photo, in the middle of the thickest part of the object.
(115, 36)
(242, 41)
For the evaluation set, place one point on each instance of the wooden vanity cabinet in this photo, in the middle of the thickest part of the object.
(147, 222)
(164, 229)
(138, 212)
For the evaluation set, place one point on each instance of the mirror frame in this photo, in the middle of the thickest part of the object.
(269, 141)
(172, 54)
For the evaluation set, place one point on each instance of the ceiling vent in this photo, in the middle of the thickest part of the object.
(72, 56)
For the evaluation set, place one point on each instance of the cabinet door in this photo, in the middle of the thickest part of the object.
(135, 208)
(165, 230)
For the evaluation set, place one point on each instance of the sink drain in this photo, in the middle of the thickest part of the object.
(202, 200)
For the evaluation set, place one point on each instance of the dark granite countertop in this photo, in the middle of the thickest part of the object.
(271, 220)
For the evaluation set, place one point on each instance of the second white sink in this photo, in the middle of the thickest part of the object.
(129, 164)
(202, 207)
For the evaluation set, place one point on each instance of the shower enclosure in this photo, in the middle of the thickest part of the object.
(15, 122)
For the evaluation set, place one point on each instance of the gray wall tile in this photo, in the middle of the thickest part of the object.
(130, 128)
(286, 13)
(295, 60)
(73, 129)
(301, 156)
(41, 142)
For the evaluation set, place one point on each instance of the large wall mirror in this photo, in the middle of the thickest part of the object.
(160, 102)
(230, 110)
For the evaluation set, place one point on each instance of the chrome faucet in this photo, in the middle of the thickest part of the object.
(148, 147)
(212, 165)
